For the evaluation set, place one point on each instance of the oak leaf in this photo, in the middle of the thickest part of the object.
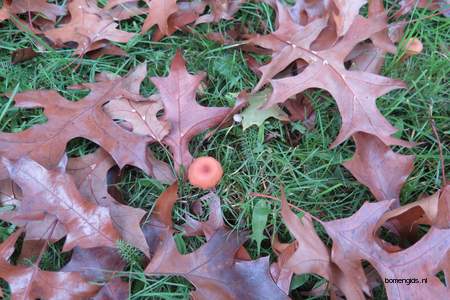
(354, 240)
(380, 169)
(54, 192)
(255, 115)
(42, 7)
(116, 289)
(220, 9)
(85, 118)
(95, 264)
(186, 117)
(186, 14)
(312, 256)
(88, 25)
(160, 221)
(355, 92)
(33, 283)
(159, 13)
(214, 271)
(90, 173)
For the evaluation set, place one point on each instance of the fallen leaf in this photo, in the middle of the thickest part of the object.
(213, 270)
(355, 92)
(116, 289)
(186, 117)
(312, 256)
(88, 24)
(95, 264)
(33, 283)
(141, 116)
(87, 225)
(261, 211)
(23, 54)
(354, 241)
(159, 13)
(220, 9)
(85, 118)
(41, 7)
(193, 227)
(253, 114)
(160, 220)
(90, 173)
(346, 13)
(379, 168)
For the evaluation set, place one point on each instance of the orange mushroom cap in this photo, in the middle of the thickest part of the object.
(414, 46)
(205, 172)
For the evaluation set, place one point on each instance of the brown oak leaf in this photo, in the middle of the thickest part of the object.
(42, 7)
(124, 9)
(160, 220)
(116, 289)
(33, 283)
(186, 117)
(54, 192)
(159, 13)
(186, 14)
(220, 9)
(354, 240)
(88, 25)
(355, 92)
(95, 264)
(312, 256)
(214, 271)
(433, 210)
(379, 168)
(85, 118)
(90, 173)
(345, 14)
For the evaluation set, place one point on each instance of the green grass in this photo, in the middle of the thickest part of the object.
(311, 173)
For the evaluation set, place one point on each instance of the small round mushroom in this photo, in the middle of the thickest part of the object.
(413, 47)
(205, 172)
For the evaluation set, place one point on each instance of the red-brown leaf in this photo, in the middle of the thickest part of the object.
(88, 24)
(214, 271)
(90, 173)
(186, 116)
(355, 92)
(54, 192)
(380, 169)
(86, 118)
(33, 283)
(354, 241)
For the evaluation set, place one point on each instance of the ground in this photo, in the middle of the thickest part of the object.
(310, 172)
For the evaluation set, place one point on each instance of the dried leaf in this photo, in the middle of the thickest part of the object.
(33, 283)
(95, 264)
(355, 92)
(213, 270)
(220, 9)
(23, 54)
(42, 7)
(186, 116)
(88, 24)
(116, 289)
(312, 256)
(354, 241)
(159, 13)
(160, 221)
(87, 224)
(86, 118)
(380, 169)
(141, 116)
(90, 173)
